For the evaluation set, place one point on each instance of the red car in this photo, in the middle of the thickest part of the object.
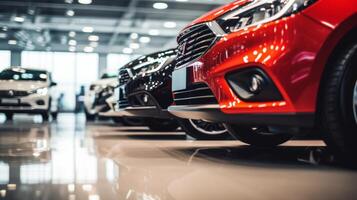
(275, 67)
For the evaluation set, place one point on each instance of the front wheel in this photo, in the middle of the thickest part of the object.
(257, 136)
(203, 130)
(162, 125)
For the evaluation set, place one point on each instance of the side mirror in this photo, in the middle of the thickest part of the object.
(53, 84)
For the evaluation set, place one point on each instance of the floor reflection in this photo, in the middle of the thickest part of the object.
(74, 160)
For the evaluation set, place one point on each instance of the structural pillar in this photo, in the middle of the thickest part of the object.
(15, 58)
(102, 64)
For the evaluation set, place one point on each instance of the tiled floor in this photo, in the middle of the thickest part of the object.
(74, 160)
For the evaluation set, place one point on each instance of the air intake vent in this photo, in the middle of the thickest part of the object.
(194, 95)
(124, 76)
(193, 43)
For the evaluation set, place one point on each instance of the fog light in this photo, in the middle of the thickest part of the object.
(40, 102)
(253, 85)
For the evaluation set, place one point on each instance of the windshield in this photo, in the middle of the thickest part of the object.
(23, 75)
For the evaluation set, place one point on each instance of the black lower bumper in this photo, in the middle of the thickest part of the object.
(29, 111)
(214, 114)
(145, 112)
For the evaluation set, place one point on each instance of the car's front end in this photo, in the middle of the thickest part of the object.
(256, 64)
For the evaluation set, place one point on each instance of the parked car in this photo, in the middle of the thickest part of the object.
(272, 68)
(95, 98)
(149, 94)
(26, 91)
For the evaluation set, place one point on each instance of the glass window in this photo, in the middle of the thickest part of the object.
(5, 59)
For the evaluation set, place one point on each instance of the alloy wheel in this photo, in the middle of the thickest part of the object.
(208, 127)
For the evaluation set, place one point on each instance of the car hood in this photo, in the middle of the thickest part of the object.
(212, 15)
(22, 85)
(106, 82)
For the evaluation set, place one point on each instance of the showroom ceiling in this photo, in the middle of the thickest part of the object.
(104, 26)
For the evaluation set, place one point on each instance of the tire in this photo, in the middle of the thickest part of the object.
(339, 106)
(90, 117)
(54, 115)
(259, 136)
(162, 125)
(45, 116)
(9, 116)
(194, 128)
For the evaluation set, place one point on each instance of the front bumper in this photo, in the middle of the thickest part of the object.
(213, 113)
(28, 104)
(142, 112)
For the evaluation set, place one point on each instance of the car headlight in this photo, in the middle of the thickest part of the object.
(260, 11)
(42, 91)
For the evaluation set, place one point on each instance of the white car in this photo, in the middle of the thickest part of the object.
(95, 98)
(24, 90)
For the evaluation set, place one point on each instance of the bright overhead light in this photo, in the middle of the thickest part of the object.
(85, 1)
(4, 28)
(72, 48)
(93, 38)
(170, 24)
(19, 19)
(145, 39)
(68, 1)
(127, 50)
(12, 42)
(70, 13)
(87, 29)
(3, 35)
(181, 0)
(72, 34)
(154, 32)
(88, 49)
(134, 36)
(134, 45)
(160, 5)
(72, 42)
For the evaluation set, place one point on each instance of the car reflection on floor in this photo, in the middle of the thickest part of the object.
(103, 161)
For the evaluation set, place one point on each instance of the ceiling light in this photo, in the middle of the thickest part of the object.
(170, 24)
(88, 49)
(19, 19)
(93, 38)
(145, 39)
(70, 13)
(127, 50)
(181, 0)
(160, 6)
(87, 29)
(68, 1)
(72, 42)
(4, 28)
(72, 34)
(134, 45)
(3, 35)
(85, 1)
(12, 42)
(154, 32)
(93, 44)
(134, 36)
(72, 48)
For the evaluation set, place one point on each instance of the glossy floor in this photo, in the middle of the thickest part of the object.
(72, 160)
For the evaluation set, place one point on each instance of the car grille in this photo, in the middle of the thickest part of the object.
(123, 100)
(193, 43)
(13, 94)
(124, 76)
(195, 94)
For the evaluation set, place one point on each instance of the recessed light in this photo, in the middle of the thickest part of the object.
(170, 24)
(12, 42)
(4, 28)
(87, 29)
(72, 42)
(134, 36)
(72, 34)
(127, 50)
(72, 48)
(160, 5)
(3, 35)
(19, 19)
(154, 32)
(88, 49)
(70, 13)
(85, 1)
(93, 38)
(68, 1)
(145, 39)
